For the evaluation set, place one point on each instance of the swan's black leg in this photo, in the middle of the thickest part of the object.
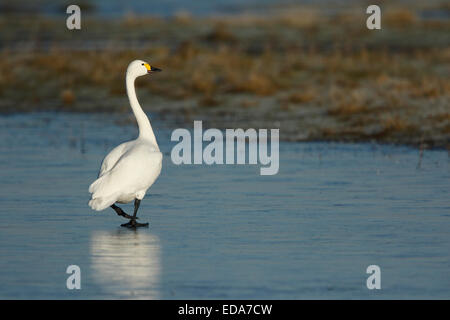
(132, 223)
(137, 203)
(122, 213)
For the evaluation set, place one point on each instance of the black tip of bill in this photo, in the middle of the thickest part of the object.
(153, 69)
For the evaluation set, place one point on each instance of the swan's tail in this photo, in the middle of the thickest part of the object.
(96, 184)
(102, 203)
(99, 200)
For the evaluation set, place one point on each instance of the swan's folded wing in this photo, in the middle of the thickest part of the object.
(133, 172)
(112, 157)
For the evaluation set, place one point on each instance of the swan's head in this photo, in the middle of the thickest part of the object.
(139, 68)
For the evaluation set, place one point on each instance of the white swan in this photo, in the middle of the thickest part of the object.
(132, 167)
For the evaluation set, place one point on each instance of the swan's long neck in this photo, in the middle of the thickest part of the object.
(145, 128)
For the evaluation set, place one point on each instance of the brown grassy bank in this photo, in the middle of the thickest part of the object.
(315, 76)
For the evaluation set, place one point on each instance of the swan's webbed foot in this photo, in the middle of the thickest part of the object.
(122, 213)
(133, 224)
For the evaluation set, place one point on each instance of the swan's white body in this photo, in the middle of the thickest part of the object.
(132, 167)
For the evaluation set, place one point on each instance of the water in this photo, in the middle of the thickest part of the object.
(115, 8)
(220, 231)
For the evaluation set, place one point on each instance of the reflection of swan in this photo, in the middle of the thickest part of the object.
(126, 264)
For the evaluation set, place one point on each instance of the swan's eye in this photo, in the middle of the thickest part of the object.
(142, 64)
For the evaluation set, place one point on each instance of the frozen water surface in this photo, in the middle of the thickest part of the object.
(220, 231)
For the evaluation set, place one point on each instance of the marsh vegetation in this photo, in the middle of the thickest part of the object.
(314, 71)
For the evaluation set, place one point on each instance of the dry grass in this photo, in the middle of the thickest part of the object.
(400, 17)
(334, 81)
(67, 97)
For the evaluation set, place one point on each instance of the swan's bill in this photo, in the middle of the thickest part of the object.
(154, 69)
(151, 69)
